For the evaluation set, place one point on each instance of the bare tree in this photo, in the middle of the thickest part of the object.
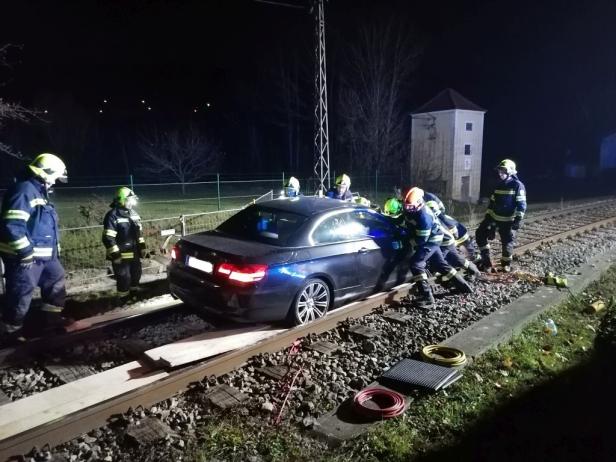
(186, 155)
(11, 111)
(373, 124)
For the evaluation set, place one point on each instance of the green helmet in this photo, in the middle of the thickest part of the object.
(508, 166)
(125, 197)
(49, 168)
(392, 207)
(343, 180)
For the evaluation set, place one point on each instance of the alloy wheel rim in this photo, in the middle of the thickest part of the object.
(312, 302)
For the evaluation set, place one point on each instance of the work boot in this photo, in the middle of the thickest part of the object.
(460, 284)
(11, 335)
(486, 263)
(472, 272)
(425, 298)
(505, 267)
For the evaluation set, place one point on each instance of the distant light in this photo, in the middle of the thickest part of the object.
(149, 108)
(208, 104)
(105, 101)
(142, 101)
(100, 111)
(45, 111)
(194, 110)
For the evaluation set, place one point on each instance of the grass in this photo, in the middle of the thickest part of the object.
(533, 397)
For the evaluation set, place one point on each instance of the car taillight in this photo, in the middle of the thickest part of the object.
(175, 252)
(242, 273)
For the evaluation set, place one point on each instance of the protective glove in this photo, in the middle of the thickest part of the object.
(142, 251)
(516, 223)
(26, 262)
(116, 258)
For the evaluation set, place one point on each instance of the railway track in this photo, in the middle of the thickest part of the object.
(568, 222)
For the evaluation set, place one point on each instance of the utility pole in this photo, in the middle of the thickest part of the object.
(321, 120)
(321, 132)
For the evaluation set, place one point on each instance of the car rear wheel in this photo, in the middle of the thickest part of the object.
(312, 302)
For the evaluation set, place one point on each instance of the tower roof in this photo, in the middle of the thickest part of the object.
(446, 100)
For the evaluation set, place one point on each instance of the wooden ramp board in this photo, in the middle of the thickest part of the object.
(166, 302)
(209, 344)
(61, 401)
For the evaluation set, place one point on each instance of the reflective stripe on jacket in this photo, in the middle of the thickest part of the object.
(508, 200)
(28, 223)
(424, 227)
(122, 233)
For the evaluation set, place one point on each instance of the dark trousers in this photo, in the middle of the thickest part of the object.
(127, 274)
(453, 257)
(487, 230)
(429, 254)
(20, 285)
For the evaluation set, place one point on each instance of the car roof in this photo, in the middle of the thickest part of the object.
(308, 205)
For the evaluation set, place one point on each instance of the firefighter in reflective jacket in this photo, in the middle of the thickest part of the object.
(427, 235)
(505, 213)
(456, 228)
(123, 241)
(30, 244)
(342, 189)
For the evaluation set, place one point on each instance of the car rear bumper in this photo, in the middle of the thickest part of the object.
(244, 304)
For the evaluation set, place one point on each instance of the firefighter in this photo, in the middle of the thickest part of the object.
(505, 213)
(427, 234)
(123, 241)
(394, 210)
(291, 188)
(30, 246)
(341, 189)
(456, 228)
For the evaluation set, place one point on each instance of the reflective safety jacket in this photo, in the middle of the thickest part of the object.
(122, 234)
(424, 228)
(332, 193)
(435, 204)
(508, 200)
(28, 223)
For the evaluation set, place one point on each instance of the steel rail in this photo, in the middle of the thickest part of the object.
(80, 422)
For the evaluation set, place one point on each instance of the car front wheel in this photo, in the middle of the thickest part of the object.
(312, 302)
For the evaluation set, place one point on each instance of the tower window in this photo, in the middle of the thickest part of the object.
(469, 126)
(467, 149)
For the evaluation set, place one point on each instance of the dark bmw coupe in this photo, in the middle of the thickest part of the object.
(291, 258)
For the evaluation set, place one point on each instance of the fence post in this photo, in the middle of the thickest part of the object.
(130, 180)
(182, 225)
(376, 185)
(218, 189)
(283, 179)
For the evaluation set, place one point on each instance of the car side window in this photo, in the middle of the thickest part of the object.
(374, 226)
(337, 228)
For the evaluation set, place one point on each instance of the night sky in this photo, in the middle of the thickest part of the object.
(544, 70)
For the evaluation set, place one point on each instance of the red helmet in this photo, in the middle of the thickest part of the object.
(413, 199)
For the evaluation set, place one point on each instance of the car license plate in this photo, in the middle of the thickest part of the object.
(201, 265)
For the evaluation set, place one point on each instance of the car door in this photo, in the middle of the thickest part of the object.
(380, 252)
(335, 244)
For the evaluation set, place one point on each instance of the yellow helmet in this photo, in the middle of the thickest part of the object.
(508, 166)
(343, 180)
(49, 167)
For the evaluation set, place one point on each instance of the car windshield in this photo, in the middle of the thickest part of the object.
(262, 224)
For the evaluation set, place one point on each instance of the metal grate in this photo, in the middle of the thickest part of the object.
(418, 373)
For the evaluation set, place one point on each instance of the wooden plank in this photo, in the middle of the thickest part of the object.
(165, 303)
(209, 344)
(64, 400)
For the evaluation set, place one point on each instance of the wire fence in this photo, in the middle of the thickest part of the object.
(170, 210)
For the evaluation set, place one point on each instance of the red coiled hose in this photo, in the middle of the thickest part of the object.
(394, 403)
